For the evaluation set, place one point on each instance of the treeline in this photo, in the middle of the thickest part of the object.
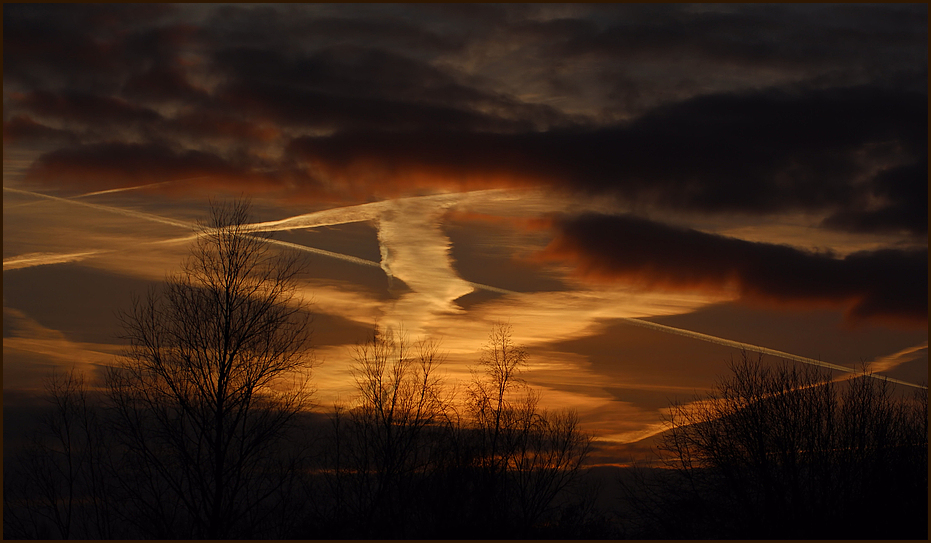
(204, 429)
(785, 452)
(403, 461)
(409, 462)
(771, 452)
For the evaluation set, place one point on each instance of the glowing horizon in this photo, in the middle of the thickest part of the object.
(639, 191)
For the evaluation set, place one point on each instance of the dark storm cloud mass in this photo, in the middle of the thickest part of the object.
(762, 151)
(84, 45)
(350, 88)
(117, 164)
(780, 35)
(717, 109)
(23, 128)
(86, 109)
(883, 283)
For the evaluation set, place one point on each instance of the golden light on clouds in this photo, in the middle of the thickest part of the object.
(636, 207)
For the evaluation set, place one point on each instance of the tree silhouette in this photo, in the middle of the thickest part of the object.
(382, 446)
(59, 487)
(198, 431)
(787, 452)
(213, 379)
(526, 456)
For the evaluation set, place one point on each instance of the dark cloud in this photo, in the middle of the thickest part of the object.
(85, 109)
(751, 35)
(218, 125)
(163, 83)
(328, 111)
(116, 164)
(23, 128)
(352, 88)
(757, 152)
(717, 109)
(876, 284)
(297, 27)
(904, 193)
(80, 46)
(646, 55)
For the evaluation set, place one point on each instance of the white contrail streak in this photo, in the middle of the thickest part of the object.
(39, 259)
(756, 349)
(314, 250)
(138, 187)
(24, 260)
(493, 289)
(305, 221)
(362, 212)
(120, 211)
(727, 342)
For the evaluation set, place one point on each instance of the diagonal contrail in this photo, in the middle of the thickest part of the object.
(727, 342)
(39, 259)
(323, 252)
(111, 209)
(757, 349)
(138, 187)
(305, 222)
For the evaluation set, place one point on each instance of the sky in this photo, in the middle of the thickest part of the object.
(638, 190)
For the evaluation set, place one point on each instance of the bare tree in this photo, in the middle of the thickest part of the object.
(497, 394)
(385, 440)
(214, 377)
(785, 451)
(527, 456)
(547, 456)
(404, 462)
(58, 487)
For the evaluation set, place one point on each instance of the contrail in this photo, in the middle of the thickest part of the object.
(493, 289)
(38, 259)
(25, 259)
(138, 187)
(727, 342)
(108, 191)
(355, 213)
(314, 250)
(757, 349)
(120, 211)
(303, 221)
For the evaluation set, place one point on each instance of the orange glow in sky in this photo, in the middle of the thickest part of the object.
(506, 167)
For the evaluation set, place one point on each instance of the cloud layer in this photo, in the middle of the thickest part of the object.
(884, 283)
(710, 109)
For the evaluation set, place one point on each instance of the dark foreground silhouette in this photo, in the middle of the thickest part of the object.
(202, 430)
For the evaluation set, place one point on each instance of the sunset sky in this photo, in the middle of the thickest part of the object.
(724, 174)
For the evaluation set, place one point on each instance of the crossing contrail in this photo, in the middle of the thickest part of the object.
(38, 259)
(25, 260)
(111, 209)
(370, 211)
(138, 187)
(729, 343)
(322, 252)
(757, 349)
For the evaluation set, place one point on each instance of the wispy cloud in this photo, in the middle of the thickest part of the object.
(39, 259)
